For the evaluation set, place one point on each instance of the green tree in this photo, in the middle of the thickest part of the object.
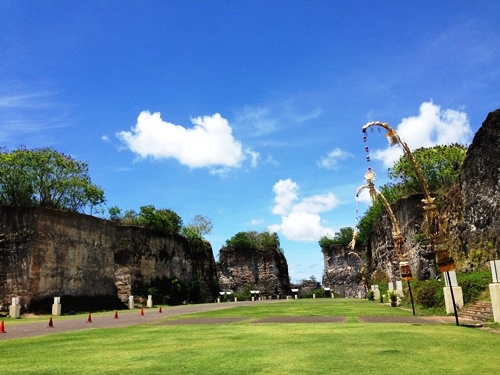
(440, 167)
(115, 213)
(200, 226)
(252, 240)
(241, 242)
(46, 178)
(343, 237)
(162, 221)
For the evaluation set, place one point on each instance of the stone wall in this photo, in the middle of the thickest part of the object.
(46, 253)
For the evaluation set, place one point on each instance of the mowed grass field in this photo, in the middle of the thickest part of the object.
(246, 347)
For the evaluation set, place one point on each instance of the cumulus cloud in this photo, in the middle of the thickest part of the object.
(433, 126)
(208, 144)
(300, 219)
(332, 159)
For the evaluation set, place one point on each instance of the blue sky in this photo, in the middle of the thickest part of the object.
(246, 112)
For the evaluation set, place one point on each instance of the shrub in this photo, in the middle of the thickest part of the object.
(473, 284)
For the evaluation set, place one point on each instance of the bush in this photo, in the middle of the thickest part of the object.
(371, 295)
(473, 284)
(428, 293)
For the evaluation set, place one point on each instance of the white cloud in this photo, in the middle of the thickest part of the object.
(254, 156)
(209, 143)
(431, 127)
(331, 160)
(300, 221)
(286, 194)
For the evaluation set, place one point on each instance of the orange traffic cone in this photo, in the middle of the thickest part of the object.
(142, 312)
(2, 327)
(89, 319)
(116, 314)
(51, 323)
(160, 311)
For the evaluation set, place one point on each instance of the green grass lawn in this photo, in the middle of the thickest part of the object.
(250, 348)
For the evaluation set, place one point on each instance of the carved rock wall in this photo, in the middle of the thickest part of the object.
(343, 271)
(479, 231)
(46, 253)
(469, 218)
(264, 270)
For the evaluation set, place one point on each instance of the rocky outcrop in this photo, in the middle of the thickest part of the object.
(479, 232)
(92, 262)
(263, 270)
(469, 221)
(343, 271)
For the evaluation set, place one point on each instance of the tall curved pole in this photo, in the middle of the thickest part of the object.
(374, 194)
(404, 266)
(444, 260)
(362, 271)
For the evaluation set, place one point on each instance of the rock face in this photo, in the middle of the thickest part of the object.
(479, 231)
(469, 220)
(343, 271)
(263, 270)
(90, 262)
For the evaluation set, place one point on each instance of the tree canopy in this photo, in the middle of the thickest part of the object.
(248, 242)
(343, 237)
(440, 166)
(47, 178)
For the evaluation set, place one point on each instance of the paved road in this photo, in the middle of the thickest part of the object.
(125, 318)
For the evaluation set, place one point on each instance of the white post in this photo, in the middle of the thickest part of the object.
(56, 307)
(495, 290)
(457, 293)
(131, 302)
(314, 295)
(15, 308)
(149, 303)
(376, 292)
(399, 288)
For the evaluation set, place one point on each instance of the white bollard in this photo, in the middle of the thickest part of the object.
(131, 302)
(56, 307)
(15, 308)
(149, 303)
(457, 293)
(495, 289)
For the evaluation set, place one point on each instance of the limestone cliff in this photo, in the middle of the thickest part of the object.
(469, 220)
(263, 270)
(469, 214)
(479, 230)
(343, 271)
(91, 263)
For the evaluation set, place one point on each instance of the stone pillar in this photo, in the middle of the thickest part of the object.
(399, 289)
(149, 303)
(314, 295)
(495, 301)
(15, 308)
(218, 299)
(56, 307)
(495, 289)
(131, 302)
(235, 299)
(457, 293)
(376, 292)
